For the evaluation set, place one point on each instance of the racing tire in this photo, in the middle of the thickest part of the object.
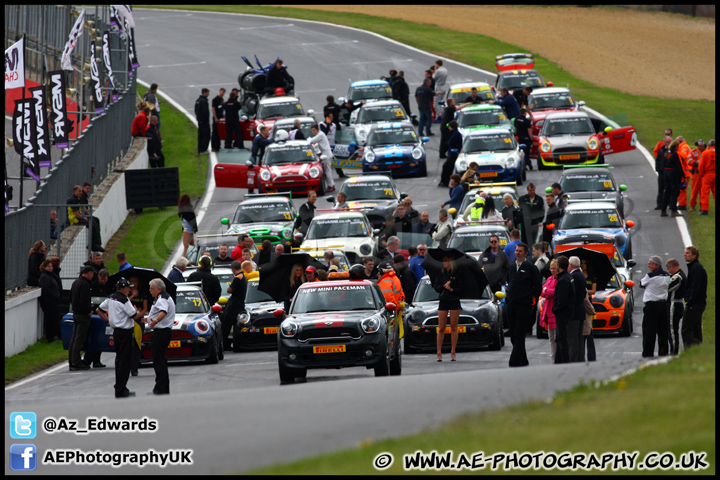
(407, 348)
(221, 353)
(382, 369)
(236, 342)
(497, 340)
(524, 173)
(396, 362)
(287, 375)
(626, 327)
(541, 165)
(214, 351)
(628, 250)
(321, 187)
(423, 172)
(301, 373)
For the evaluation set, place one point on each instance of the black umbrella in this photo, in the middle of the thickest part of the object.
(274, 275)
(601, 266)
(471, 277)
(144, 275)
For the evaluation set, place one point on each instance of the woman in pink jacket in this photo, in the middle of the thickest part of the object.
(547, 318)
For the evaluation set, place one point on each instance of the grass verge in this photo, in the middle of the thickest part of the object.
(35, 358)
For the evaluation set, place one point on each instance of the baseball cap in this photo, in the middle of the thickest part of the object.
(123, 283)
(311, 269)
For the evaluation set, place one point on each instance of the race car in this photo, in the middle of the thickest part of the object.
(614, 307)
(291, 165)
(596, 182)
(375, 194)
(363, 91)
(497, 153)
(601, 217)
(257, 327)
(211, 243)
(337, 324)
(567, 138)
(264, 217)
(480, 117)
(480, 323)
(288, 124)
(473, 238)
(196, 333)
(515, 71)
(268, 110)
(495, 190)
(349, 231)
(548, 100)
(396, 149)
(460, 91)
(377, 112)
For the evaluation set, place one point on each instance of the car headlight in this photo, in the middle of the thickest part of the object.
(616, 301)
(370, 325)
(265, 175)
(287, 233)
(289, 328)
(314, 172)
(417, 153)
(593, 144)
(365, 249)
(243, 317)
(369, 156)
(545, 147)
(462, 164)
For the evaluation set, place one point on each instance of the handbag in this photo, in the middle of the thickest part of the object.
(589, 309)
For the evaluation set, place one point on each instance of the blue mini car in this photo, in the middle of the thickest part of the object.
(394, 148)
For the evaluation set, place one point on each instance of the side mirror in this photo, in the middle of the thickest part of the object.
(522, 146)
(452, 211)
(631, 263)
(330, 198)
(629, 283)
(311, 112)
(390, 306)
(216, 308)
(224, 221)
(550, 84)
(623, 188)
(353, 144)
(607, 129)
(403, 195)
(321, 157)
(249, 164)
(548, 190)
(341, 100)
(425, 139)
(278, 313)
(441, 102)
(581, 103)
(499, 295)
(550, 226)
(244, 118)
(222, 301)
(630, 224)
(376, 231)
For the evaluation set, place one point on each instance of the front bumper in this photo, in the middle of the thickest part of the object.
(295, 354)
(396, 167)
(424, 337)
(186, 349)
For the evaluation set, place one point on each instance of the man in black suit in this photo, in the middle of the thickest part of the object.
(524, 285)
(575, 339)
(563, 307)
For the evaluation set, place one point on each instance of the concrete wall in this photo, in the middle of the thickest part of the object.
(23, 315)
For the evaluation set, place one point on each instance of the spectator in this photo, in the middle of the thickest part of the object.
(450, 290)
(510, 247)
(80, 301)
(265, 252)
(440, 76)
(402, 219)
(242, 242)
(232, 122)
(456, 193)
(332, 108)
(659, 145)
(455, 143)
(189, 222)
(218, 112)
(326, 155)
(161, 320)
(495, 263)
(279, 249)
(35, 259)
(576, 347)
(95, 262)
(278, 78)
(470, 175)
(472, 99)
(330, 127)
(547, 318)
(591, 287)
(306, 212)
(202, 113)
(424, 225)
(49, 301)
(533, 211)
(247, 257)
(123, 263)
(369, 267)
(247, 268)
(561, 197)
(523, 127)
(674, 175)
(676, 300)
(695, 298)
(416, 259)
(389, 230)
(696, 179)
(552, 215)
(341, 201)
(289, 289)
(140, 122)
(401, 92)
(56, 272)
(521, 95)
(154, 144)
(707, 174)
(661, 149)
(223, 258)
(508, 210)
(210, 283)
(236, 304)
(53, 225)
(153, 102)
(509, 104)
(387, 254)
(447, 116)
(101, 288)
(311, 274)
(655, 313)
(410, 211)
(443, 229)
(542, 260)
(140, 298)
(407, 277)
(176, 274)
(77, 217)
(563, 307)
(424, 96)
(296, 132)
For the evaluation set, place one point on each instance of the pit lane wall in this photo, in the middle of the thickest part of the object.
(23, 315)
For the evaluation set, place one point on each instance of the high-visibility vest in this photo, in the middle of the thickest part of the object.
(391, 288)
(476, 212)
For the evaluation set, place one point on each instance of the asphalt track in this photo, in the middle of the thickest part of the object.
(234, 415)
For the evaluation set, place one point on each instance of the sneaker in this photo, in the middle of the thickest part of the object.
(98, 365)
(658, 207)
(682, 207)
(430, 134)
(125, 394)
(692, 208)
(676, 214)
(663, 214)
(441, 184)
(79, 366)
(703, 212)
(134, 373)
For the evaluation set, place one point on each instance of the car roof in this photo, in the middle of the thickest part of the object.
(382, 103)
(586, 170)
(282, 99)
(537, 91)
(181, 287)
(590, 206)
(483, 227)
(388, 125)
(473, 108)
(469, 85)
(291, 143)
(488, 131)
(363, 83)
(517, 71)
(554, 115)
(290, 121)
(336, 283)
(367, 178)
(340, 214)
(268, 199)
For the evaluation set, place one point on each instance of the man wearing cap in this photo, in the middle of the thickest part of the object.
(311, 274)
(161, 319)
(695, 177)
(118, 311)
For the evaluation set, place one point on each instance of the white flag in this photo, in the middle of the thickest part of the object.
(125, 12)
(72, 41)
(15, 65)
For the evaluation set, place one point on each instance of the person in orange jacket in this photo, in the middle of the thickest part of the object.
(656, 150)
(684, 153)
(391, 288)
(696, 179)
(707, 173)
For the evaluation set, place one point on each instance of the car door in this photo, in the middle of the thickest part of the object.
(618, 140)
(232, 172)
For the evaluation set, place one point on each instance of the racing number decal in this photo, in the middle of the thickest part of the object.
(398, 113)
(507, 140)
(612, 218)
(388, 192)
(607, 184)
(196, 302)
(388, 89)
(503, 241)
(287, 216)
(308, 153)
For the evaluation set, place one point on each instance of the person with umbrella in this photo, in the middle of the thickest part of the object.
(447, 285)
(296, 279)
(284, 274)
(524, 286)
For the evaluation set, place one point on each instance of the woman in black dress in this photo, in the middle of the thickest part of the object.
(296, 279)
(447, 285)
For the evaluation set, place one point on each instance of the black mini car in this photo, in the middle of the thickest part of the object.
(256, 327)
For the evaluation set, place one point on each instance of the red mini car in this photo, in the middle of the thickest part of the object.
(268, 111)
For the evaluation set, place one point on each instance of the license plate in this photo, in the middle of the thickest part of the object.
(394, 166)
(175, 344)
(447, 329)
(488, 174)
(570, 157)
(270, 330)
(329, 349)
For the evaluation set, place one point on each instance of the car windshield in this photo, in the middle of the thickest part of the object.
(279, 110)
(460, 94)
(253, 295)
(523, 59)
(370, 92)
(600, 218)
(279, 154)
(488, 143)
(304, 128)
(520, 80)
(481, 118)
(384, 113)
(567, 126)
(369, 191)
(392, 136)
(613, 283)
(407, 239)
(426, 293)
(212, 245)
(344, 263)
(593, 182)
(262, 212)
(497, 198)
(333, 298)
(474, 241)
(322, 228)
(190, 302)
(550, 100)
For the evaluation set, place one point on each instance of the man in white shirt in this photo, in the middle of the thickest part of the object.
(655, 313)
(440, 76)
(443, 229)
(321, 139)
(118, 311)
(161, 319)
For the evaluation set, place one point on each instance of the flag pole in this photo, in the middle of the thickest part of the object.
(22, 137)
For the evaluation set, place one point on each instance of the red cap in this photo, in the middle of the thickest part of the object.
(311, 269)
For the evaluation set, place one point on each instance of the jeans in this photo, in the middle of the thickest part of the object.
(425, 120)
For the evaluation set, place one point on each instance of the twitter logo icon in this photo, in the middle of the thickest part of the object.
(23, 425)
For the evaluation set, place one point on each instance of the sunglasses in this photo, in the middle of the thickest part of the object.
(493, 241)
